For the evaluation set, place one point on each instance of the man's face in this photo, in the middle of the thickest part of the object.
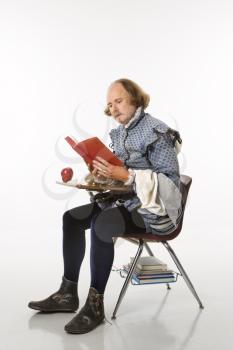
(119, 103)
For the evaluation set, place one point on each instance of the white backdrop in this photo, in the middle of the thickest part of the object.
(57, 61)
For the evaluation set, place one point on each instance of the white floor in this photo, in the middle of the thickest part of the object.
(149, 316)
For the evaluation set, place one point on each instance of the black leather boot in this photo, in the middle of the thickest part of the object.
(90, 316)
(64, 300)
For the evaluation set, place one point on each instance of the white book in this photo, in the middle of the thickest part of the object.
(150, 263)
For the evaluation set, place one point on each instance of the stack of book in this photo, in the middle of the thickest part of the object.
(150, 269)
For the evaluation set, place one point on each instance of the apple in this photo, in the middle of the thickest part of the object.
(66, 174)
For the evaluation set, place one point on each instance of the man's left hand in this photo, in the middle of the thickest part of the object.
(104, 168)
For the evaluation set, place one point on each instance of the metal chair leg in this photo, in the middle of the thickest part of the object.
(128, 277)
(149, 251)
(183, 273)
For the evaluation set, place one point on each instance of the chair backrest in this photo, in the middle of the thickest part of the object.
(185, 183)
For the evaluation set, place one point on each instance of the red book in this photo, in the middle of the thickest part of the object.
(90, 148)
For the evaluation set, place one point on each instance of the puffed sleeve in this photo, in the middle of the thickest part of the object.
(162, 154)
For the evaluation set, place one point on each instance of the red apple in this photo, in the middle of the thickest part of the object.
(66, 174)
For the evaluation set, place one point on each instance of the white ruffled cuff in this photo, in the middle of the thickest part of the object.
(131, 177)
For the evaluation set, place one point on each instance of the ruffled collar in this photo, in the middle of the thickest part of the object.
(136, 116)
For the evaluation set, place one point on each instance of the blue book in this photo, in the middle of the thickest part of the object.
(153, 280)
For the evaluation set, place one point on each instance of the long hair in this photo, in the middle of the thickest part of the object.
(138, 97)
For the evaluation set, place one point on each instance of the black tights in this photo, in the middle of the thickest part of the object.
(104, 225)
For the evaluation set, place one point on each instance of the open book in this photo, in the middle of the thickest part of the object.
(92, 147)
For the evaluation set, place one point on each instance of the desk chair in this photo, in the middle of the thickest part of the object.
(141, 240)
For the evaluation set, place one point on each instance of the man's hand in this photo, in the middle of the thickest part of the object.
(97, 176)
(103, 168)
